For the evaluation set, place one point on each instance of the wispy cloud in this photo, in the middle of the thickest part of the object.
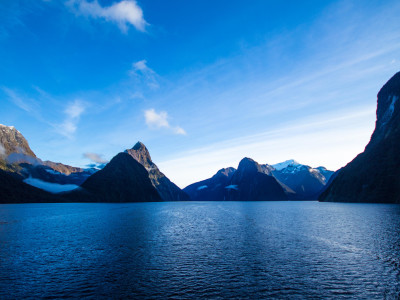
(141, 71)
(94, 157)
(26, 104)
(156, 120)
(72, 112)
(123, 13)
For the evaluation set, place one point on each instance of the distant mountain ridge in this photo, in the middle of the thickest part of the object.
(129, 177)
(306, 182)
(298, 182)
(373, 175)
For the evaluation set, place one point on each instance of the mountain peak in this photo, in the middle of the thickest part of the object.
(248, 165)
(141, 154)
(9, 127)
(285, 164)
(139, 145)
(13, 142)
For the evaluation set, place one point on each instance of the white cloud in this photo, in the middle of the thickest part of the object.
(73, 113)
(160, 120)
(50, 187)
(123, 13)
(179, 130)
(142, 71)
(97, 158)
(154, 119)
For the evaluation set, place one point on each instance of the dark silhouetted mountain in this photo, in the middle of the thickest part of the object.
(123, 179)
(306, 182)
(250, 182)
(14, 190)
(212, 189)
(373, 176)
(167, 189)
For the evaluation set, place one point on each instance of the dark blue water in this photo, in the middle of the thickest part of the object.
(200, 250)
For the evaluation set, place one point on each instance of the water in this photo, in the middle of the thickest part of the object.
(200, 250)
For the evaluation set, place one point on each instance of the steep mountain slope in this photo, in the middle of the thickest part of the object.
(167, 189)
(17, 157)
(14, 190)
(12, 141)
(374, 175)
(123, 179)
(212, 189)
(305, 181)
(251, 182)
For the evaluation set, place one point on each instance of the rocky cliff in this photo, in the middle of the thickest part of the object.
(374, 175)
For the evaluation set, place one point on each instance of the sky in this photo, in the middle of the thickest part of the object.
(201, 83)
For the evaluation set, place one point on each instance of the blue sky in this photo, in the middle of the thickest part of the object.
(201, 83)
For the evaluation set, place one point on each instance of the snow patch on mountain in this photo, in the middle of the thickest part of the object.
(232, 187)
(202, 187)
(285, 164)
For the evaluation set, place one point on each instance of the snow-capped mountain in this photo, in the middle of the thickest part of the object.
(285, 164)
(305, 181)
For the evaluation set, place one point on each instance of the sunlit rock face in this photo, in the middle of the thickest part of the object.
(14, 146)
(167, 189)
(374, 175)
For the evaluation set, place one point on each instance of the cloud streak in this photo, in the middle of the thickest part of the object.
(141, 71)
(123, 13)
(23, 103)
(157, 120)
(72, 113)
(94, 157)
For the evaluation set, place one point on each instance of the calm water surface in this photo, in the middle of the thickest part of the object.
(200, 250)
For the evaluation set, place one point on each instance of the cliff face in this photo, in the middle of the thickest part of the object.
(167, 189)
(14, 148)
(374, 175)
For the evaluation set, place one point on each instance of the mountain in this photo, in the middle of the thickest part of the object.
(14, 147)
(306, 182)
(373, 176)
(17, 157)
(285, 164)
(123, 179)
(250, 182)
(14, 190)
(167, 189)
(131, 176)
(254, 182)
(212, 189)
